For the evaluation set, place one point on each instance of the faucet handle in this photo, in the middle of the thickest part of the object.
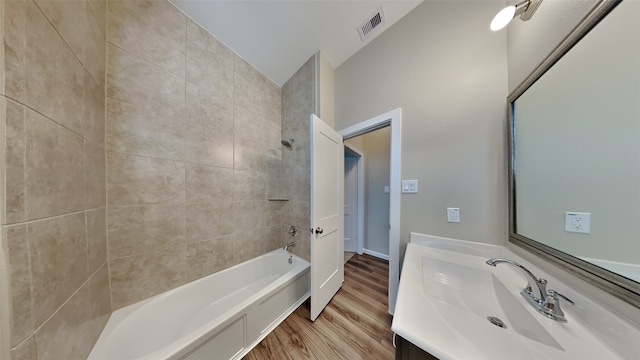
(542, 284)
(551, 307)
(554, 294)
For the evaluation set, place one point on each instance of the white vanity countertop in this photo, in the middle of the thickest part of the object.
(445, 320)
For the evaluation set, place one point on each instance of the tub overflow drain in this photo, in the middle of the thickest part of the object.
(497, 322)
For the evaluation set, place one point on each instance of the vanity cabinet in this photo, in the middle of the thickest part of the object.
(405, 350)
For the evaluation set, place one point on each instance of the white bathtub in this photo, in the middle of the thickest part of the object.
(221, 316)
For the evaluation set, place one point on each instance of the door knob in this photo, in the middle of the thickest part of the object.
(319, 230)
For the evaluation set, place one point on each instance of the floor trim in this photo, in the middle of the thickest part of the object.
(376, 254)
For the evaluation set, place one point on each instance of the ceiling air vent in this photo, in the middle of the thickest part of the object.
(368, 26)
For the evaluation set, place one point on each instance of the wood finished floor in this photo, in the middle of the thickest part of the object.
(355, 325)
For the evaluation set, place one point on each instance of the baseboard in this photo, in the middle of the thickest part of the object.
(376, 254)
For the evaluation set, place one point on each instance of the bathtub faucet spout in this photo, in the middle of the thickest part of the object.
(286, 247)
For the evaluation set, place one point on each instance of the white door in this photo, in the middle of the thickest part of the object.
(350, 203)
(327, 214)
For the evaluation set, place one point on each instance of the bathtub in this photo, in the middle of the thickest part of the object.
(221, 316)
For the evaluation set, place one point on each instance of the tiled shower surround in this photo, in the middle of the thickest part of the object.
(139, 154)
(192, 139)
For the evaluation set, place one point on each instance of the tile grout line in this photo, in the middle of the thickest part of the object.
(184, 143)
(106, 163)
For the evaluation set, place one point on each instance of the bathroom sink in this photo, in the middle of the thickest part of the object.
(455, 306)
(473, 298)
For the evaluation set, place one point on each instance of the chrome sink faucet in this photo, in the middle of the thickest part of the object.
(548, 304)
(534, 283)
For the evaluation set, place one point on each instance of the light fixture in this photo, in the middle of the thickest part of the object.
(524, 10)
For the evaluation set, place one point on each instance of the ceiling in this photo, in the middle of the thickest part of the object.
(277, 37)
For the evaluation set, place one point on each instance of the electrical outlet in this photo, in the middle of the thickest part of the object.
(387, 189)
(453, 215)
(577, 222)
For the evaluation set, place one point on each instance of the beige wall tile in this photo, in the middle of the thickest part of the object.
(208, 184)
(299, 214)
(58, 252)
(67, 334)
(272, 136)
(274, 211)
(249, 185)
(14, 162)
(255, 93)
(297, 180)
(145, 131)
(273, 168)
(138, 277)
(209, 62)
(136, 81)
(96, 238)
(274, 183)
(208, 221)
(273, 110)
(99, 10)
(138, 229)
(96, 187)
(248, 243)
(100, 300)
(249, 84)
(249, 215)
(69, 20)
(210, 256)
(134, 180)
(274, 239)
(54, 77)
(18, 252)
(95, 48)
(15, 42)
(55, 172)
(298, 100)
(248, 155)
(76, 24)
(94, 109)
(250, 127)
(154, 30)
(209, 128)
(25, 351)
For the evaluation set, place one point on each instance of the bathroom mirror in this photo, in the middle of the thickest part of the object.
(575, 153)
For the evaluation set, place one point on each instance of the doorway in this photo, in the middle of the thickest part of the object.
(366, 190)
(392, 119)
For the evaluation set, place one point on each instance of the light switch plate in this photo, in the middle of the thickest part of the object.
(577, 222)
(410, 186)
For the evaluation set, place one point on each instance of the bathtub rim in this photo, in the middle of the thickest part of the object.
(196, 338)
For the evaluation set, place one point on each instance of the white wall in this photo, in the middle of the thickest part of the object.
(447, 71)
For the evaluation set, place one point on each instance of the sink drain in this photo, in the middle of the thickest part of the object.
(497, 322)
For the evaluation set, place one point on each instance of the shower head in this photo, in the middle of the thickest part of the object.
(287, 143)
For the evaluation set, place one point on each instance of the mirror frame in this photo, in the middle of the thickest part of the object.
(612, 283)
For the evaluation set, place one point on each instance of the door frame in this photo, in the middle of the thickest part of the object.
(393, 119)
(360, 190)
